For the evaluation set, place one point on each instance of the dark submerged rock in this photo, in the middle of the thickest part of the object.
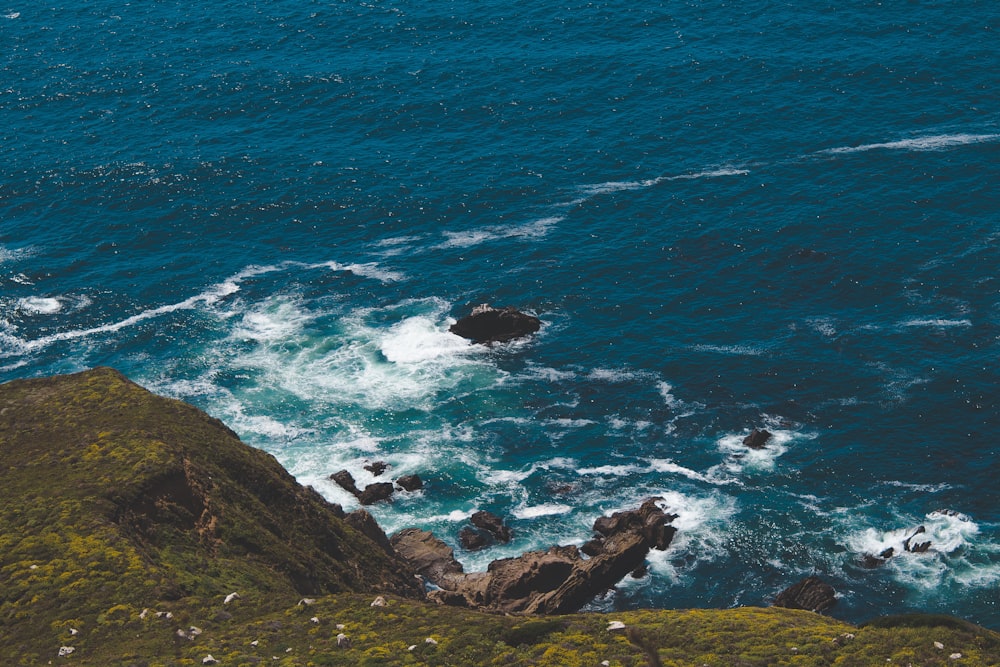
(757, 439)
(811, 594)
(410, 483)
(495, 325)
(492, 524)
(376, 492)
(376, 468)
(916, 547)
(346, 481)
(472, 539)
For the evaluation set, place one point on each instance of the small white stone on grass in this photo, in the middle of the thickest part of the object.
(65, 650)
(378, 602)
(955, 656)
(939, 645)
(255, 642)
(615, 625)
(412, 646)
(431, 641)
(231, 597)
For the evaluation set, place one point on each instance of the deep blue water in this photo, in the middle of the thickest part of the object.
(727, 216)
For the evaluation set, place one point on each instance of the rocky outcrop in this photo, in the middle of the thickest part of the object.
(558, 580)
(487, 324)
(492, 524)
(410, 483)
(472, 539)
(376, 468)
(811, 594)
(346, 481)
(378, 491)
(910, 545)
(486, 529)
(757, 439)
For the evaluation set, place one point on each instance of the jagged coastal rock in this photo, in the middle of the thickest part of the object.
(553, 581)
(486, 324)
(811, 594)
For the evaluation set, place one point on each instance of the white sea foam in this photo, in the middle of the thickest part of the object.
(711, 173)
(421, 339)
(669, 467)
(927, 143)
(546, 509)
(615, 375)
(738, 350)
(701, 536)
(740, 458)
(824, 326)
(9, 255)
(620, 186)
(40, 305)
(275, 319)
(368, 270)
(532, 230)
(922, 488)
(958, 554)
(937, 323)
(612, 470)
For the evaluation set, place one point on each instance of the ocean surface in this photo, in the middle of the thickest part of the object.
(727, 215)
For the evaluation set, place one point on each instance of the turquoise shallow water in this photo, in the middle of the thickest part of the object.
(726, 217)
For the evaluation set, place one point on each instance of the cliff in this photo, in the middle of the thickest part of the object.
(129, 520)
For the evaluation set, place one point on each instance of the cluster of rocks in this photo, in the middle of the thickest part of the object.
(377, 491)
(909, 546)
(554, 581)
(486, 529)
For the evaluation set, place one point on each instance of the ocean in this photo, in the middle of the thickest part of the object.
(726, 215)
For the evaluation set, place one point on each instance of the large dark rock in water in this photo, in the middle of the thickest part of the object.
(376, 492)
(346, 481)
(495, 325)
(472, 539)
(757, 439)
(492, 524)
(410, 483)
(811, 594)
(555, 581)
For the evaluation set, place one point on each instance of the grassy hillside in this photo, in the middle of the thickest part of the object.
(126, 519)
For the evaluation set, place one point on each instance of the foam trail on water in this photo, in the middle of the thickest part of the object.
(929, 143)
(939, 323)
(210, 297)
(467, 239)
(609, 187)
